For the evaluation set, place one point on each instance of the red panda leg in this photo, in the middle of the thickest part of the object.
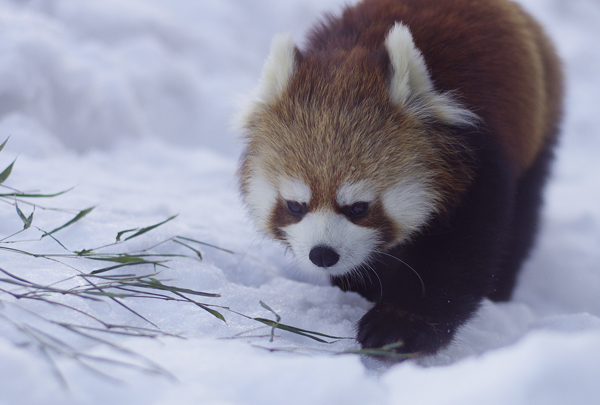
(456, 260)
(525, 221)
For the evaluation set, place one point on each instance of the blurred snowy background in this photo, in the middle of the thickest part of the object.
(131, 102)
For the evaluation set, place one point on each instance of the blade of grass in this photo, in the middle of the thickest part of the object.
(268, 308)
(77, 217)
(388, 350)
(105, 269)
(124, 259)
(4, 175)
(26, 220)
(30, 195)
(114, 299)
(205, 244)
(154, 283)
(277, 319)
(124, 232)
(189, 247)
(179, 293)
(211, 311)
(298, 331)
(149, 228)
(4, 144)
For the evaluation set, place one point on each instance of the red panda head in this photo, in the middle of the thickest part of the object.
(345, 154)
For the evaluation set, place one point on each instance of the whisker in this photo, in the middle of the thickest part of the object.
(369, 266)
(409, 266)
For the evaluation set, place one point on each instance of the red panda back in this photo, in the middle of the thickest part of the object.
(490, 54)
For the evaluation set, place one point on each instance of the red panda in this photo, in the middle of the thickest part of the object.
(403, 152)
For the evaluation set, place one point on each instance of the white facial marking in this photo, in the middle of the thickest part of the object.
(261, 197)
(410, 204)
(294, 190)
(353, 192)
(354, 244)
(411, 85)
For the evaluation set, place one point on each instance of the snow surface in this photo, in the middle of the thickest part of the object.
(131, 101)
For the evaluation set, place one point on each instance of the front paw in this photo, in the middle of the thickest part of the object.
(386, 324)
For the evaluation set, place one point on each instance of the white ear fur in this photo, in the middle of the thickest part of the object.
(277, 71)
(411, 86)
(278, 68)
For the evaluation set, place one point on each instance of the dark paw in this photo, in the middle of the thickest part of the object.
(385, 324)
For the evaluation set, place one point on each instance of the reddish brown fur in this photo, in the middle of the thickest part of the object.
(336, 122)
(492, 54)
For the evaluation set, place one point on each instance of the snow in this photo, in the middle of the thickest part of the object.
(131, 101)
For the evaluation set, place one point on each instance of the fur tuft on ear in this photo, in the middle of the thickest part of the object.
(278, 68)
(411, 86)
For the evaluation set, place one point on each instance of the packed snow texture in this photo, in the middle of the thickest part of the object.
(132, 101)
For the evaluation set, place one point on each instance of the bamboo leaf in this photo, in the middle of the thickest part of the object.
(205, 244)
(189, 247)
(155, 284)
(4, 175)
(77, 217)
(149, 228)
(26, 220)
(124, 232)
(30, 195)
(298, 331)
(125, 259)
(211, 311)
(105, 269)
(277, 318)
(4, 144)
(268, 308)
(388, 350)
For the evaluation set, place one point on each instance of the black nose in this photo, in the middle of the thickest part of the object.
(323, 256)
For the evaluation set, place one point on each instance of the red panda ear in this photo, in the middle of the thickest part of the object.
(412, 88)
(278, 69)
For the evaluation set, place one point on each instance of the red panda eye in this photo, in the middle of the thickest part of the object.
(357, 210)
(295, 208)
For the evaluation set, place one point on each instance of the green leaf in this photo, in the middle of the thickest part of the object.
(268, 308)
(4, 175)
(105, 269)
(124, 259)
(156, 284)
(4, 144)
(124, 232)
(277, 318)
(189, 247)
(205, 244)
(80, 215)
(26, 220)
(216, 314)
(388, 350)
(29, 195)
(298, 331)
(149, 228)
